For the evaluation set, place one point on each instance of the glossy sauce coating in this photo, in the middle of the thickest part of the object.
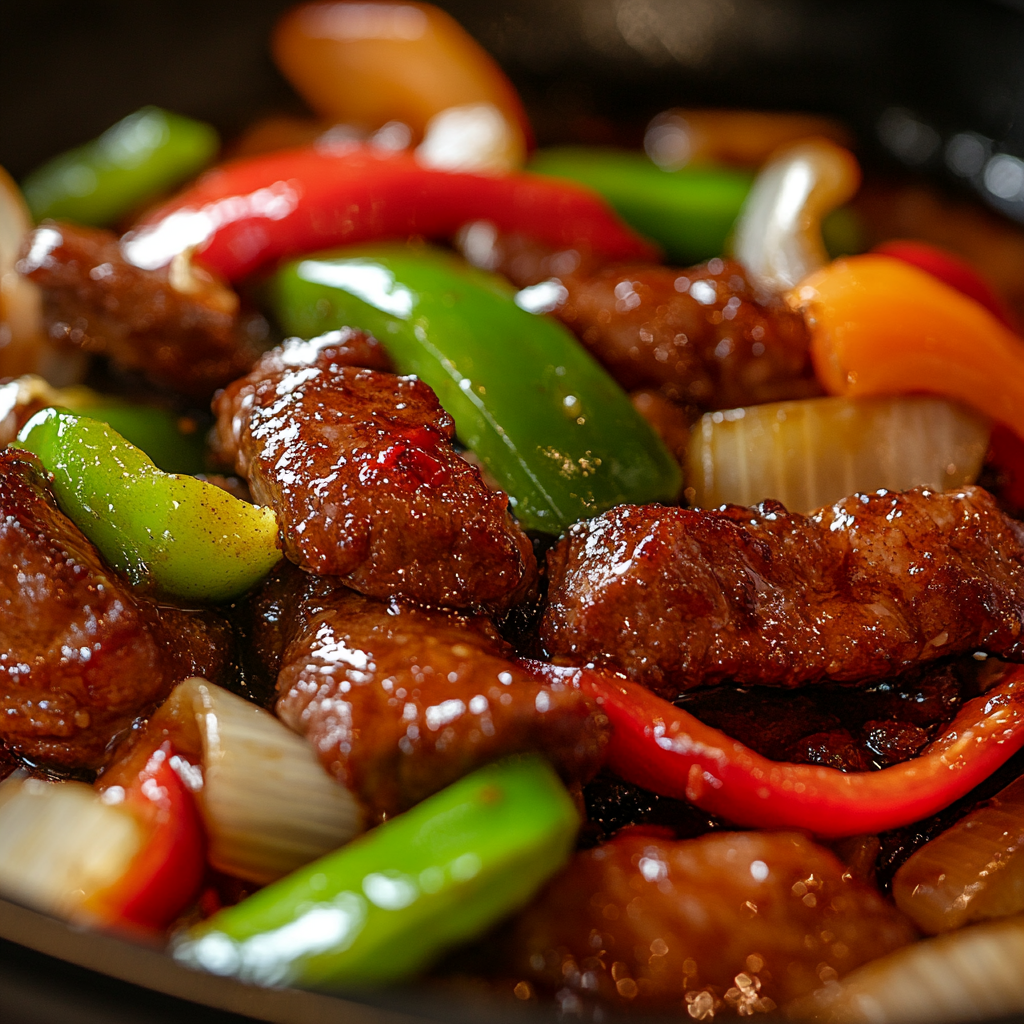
(399, 702)
(730, 923)
(182, 334)
(81, 654)
(360, 467)
(862, 590)
(702, 336)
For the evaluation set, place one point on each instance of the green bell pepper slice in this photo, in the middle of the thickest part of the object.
(158, 433)
(548, 423)
(176, 534)
(131, 163)
(690, 212)
(385, 906)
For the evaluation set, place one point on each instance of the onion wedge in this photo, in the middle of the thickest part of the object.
(972, 871)
(61, 844)
(778, 234)
(268, 805)
(811, 453)
(973, 974)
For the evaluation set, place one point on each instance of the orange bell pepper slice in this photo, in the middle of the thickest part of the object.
(880, 326)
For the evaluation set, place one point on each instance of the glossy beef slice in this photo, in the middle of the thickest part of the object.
(399, 702)
(862, 590)
(176, 325)
(701, 336)
(81, 655)
(727, 924)
(360, 467)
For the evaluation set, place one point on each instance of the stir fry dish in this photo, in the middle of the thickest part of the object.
(590, 576)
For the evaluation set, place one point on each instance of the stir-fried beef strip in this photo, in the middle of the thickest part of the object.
(863, 590)
(361, 469)
(177, 326)
(701, 336)
(81, 654)
(399, 702)
(736, 923)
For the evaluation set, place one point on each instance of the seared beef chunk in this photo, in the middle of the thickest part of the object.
(731, 923)
(701, 336)
(81, 654)
(399, 702)
(360, 468)
(176, 325)
(233, 406)
(859, 591)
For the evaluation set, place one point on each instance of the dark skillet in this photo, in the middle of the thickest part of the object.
(909, 76)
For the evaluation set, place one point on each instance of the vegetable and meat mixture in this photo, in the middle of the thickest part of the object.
(406, 571)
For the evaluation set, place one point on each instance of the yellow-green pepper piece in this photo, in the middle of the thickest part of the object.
(142, 156)
(175, 534)
(384, 907)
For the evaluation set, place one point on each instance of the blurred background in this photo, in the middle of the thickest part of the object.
(936, 85)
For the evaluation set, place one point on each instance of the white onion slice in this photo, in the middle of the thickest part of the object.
(973, 974)
(476, 137)
(811, 453)
(778, 234)
(60, 843)
(268, 805)
(972, 871)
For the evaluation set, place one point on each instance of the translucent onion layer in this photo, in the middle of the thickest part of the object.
(268, 805)
(972, 974)
(60, 843)
(811, 453)
(973, 871)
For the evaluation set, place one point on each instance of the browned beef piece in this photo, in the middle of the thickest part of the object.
(727, 924)
(81, 654)
(360, 467)
(862, 590)
(701, 336)
(399, 702)
(330, 351)
(178, 327)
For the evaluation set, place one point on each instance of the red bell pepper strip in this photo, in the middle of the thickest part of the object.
(165, 875)
(950, 270)
(253, 212)
(669, 752)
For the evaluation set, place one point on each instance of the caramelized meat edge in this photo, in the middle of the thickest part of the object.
(81, 654)
(863, 590)
(733, 922)
(701, 336)
(399, 702)
(177, 326)
(361, 469)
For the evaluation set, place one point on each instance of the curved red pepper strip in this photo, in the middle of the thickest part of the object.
(667, 751)
(165, 875)
(253, 212)
(950, 270)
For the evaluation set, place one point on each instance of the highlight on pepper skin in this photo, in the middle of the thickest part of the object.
(590, 574)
